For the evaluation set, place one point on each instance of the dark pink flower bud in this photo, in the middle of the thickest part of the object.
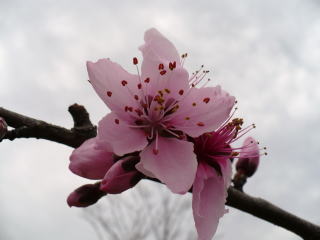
(249, 158)
(85, 195)
(121, 176)
(3, 128)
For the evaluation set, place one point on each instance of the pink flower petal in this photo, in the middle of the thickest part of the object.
(157, 50)
(107, 79)
(122, 138)
(175, 163)
(208, 201)
(91, 160)
(202, 110)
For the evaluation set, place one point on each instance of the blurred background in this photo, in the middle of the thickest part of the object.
(266, 53)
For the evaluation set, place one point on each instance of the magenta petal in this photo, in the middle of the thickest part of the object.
(208, 201)
(203, 110)
(107, 79)
(122, 138)
(175, 163)
(91, 160)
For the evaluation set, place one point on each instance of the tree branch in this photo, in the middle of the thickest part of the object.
(26, 127)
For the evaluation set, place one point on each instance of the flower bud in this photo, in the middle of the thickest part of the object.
(249, 158)
(121, 176)
(3, 128)
(85, 195)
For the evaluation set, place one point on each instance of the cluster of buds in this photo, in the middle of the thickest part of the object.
(3, 128)
(247, 163)
(120, 177)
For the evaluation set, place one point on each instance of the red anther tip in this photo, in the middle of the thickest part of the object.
(147, 80)
(206, 100)
(139, 86)
(116, 121)
(109, 94)
(124, 82)
(200, 124)
(136, 97)
(161, 66)
(163, 72)
(181, 92)
(135, 61)
(155, 151)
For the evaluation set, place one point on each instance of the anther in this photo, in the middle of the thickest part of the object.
(109, 94)
(139, 112)
(167, 90)
(139, 86)
(187, 118)
(155, 151)
(163, 72)
(135, 61)
(200, 124)
(206, 100)
(181, 92)
(194, 104)
(161, 66)
(147, 80)
(136, 97)
(116, 121)
(124, 82)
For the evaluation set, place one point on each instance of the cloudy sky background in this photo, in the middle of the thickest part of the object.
(266, 53)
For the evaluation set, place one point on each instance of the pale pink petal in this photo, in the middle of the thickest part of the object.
(202, 110)
(157, 50)
(91, 160)
(140, 168)
(122, 138)
(208, 201)
(175, 163)
(157, 47)
(107, 79)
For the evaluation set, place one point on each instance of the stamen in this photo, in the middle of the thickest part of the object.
(117, 121)
(109, 93)
(124, 82)
(161, 66)
(163, 72)
(181, 92)
(135, 61)
(206, 100)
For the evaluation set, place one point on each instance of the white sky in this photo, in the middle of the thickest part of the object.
(266, 53)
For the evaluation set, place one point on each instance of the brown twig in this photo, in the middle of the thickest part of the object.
(26, 127)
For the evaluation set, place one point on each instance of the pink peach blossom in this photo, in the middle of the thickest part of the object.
(155, 110)
(214, 153)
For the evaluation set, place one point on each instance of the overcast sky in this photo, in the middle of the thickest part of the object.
(266, 53)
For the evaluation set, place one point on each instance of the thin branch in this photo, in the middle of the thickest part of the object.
(26, 127)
